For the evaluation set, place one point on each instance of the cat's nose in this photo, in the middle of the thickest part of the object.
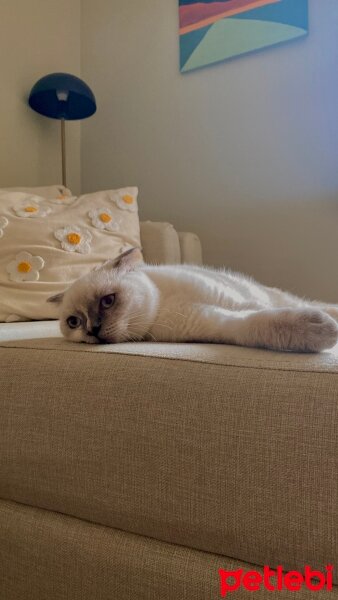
(94, 330)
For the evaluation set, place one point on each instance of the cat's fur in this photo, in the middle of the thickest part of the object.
(185, 303)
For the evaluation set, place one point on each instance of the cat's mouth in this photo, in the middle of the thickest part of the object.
(102, 340)
(93, 339)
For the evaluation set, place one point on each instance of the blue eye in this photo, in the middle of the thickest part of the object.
(107, 301)
(74, 322)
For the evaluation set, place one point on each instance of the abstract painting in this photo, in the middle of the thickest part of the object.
(215, 30)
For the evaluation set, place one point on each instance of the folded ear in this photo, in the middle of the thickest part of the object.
(126, 261)
(57, 298)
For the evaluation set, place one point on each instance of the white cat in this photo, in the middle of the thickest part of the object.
(127, 300)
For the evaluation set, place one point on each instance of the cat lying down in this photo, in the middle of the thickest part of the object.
(127, 300)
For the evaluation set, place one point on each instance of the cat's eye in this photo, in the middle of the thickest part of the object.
(74, 322)
(107, 301)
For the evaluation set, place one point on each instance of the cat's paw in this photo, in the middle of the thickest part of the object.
(321, 331)
(306, 330)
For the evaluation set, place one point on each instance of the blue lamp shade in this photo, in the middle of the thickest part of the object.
(62, 96)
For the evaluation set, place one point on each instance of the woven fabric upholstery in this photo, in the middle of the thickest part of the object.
(160, 243)
(48, 556)
(191, 248)
(227, 450)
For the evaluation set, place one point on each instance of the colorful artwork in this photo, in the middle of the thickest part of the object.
(212, 31)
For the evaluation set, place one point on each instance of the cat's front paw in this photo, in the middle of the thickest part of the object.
(307, 330)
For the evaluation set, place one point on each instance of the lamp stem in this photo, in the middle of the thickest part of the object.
(63, 152)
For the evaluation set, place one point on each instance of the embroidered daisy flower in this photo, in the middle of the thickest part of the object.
(63, 199)
(31, 207)
(103, 218)
(74, 239)
(3, 224)
(126, 200)
(25, 267)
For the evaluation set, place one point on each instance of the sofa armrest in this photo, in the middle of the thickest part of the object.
(160, 243)
(191, 248)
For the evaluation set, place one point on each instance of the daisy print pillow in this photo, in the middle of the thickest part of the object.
(45, 244)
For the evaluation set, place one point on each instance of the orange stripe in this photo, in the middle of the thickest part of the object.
(226, 13)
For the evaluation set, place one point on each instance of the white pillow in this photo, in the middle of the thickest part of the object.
(45, 244)
(49, 191)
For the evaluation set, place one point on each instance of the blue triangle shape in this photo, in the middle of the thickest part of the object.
(189, 42)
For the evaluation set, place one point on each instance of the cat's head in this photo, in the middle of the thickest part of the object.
(113, 303)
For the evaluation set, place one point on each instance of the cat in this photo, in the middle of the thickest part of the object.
(128, 300)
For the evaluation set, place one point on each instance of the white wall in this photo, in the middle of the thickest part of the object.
(36, 38)
(245, 153)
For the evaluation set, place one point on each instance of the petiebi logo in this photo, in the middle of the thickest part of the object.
(275, 580)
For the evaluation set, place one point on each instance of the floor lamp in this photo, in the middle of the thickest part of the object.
(64, 97)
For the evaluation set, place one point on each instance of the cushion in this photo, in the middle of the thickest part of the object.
(225, 449)
(45, 244)
(50, 191)
(47, 555)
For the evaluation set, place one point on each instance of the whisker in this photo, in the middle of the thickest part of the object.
(155, 324)
(174, 312)
(164, 325)
(152, 336)
(132, 337)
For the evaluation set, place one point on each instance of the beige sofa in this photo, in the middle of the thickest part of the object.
(139, 470)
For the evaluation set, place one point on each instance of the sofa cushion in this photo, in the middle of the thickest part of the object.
(95, 562)
(224, 449)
